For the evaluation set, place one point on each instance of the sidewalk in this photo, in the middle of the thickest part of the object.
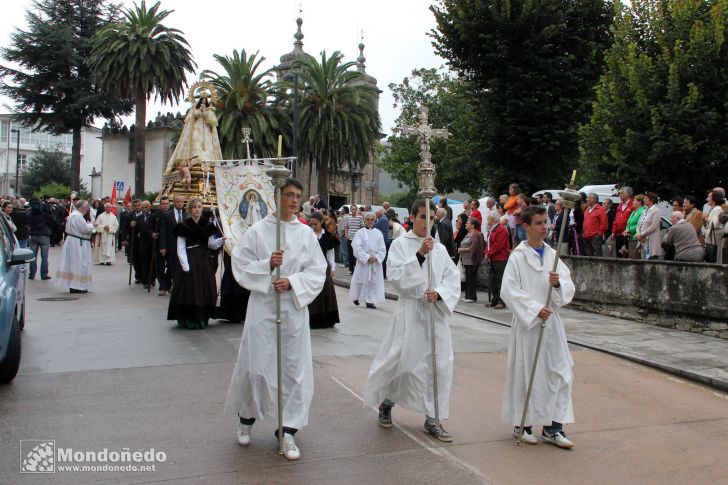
(689, 355)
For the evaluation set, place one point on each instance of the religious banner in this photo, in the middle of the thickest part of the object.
(245, 195)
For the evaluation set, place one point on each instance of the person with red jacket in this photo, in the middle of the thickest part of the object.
(475, 211)
(624, 210)
(595, 225)
(498, 249)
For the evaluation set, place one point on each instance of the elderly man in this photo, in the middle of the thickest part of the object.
(107, 224)
(595, 225)
(444, 231)
(74, 272)
(319, 203)
(142, 243)
(369, 251)
(386, 205)
(683, 238)
(308, 206)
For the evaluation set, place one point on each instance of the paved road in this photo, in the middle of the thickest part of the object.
(108, 371)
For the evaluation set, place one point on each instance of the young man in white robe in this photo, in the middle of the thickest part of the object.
(106, 225)
(402, 370)
(369, 249)
(524, 289)
(74, 272)
(253, 387)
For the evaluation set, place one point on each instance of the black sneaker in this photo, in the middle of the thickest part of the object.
(435, 429)
(372, 306)
(385, 416)
(356, 302)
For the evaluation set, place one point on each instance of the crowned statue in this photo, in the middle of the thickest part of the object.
(188, 171)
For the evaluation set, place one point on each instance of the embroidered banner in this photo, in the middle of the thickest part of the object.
(245, 195)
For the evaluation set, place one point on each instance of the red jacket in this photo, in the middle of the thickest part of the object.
(595, 222)
(499, 246)
(621, 217)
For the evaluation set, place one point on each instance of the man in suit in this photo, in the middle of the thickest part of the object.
(648, 228)
(159, 261)
(168, 241)
(444, 231)
(144, 233)
(131, 238)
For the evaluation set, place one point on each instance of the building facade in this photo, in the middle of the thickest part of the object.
(31, 141)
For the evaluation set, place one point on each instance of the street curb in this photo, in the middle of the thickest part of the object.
(692, 376)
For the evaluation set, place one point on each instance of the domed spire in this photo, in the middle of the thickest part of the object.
(297, 54)
(360, 66)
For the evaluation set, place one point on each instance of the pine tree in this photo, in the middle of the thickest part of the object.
(53, 86)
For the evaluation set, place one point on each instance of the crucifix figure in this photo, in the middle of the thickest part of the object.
(247, 140)
(425, 133)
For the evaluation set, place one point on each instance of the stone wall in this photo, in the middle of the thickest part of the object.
(686, 296)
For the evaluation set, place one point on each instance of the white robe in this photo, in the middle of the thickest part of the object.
(402, 370)
(106, 242)
(367, 283)
(524, 288)
(75, 268)
(253, 386)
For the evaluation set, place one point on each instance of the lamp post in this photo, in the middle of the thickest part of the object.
(17, 161)
(293, 76)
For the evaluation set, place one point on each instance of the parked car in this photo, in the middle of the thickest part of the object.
(13, 275)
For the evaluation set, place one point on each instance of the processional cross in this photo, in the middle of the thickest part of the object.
(425, 132)
(247, 140)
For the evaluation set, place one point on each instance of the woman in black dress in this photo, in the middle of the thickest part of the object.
(324, 311)
(194, 292)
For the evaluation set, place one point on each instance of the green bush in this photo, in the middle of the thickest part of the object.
(56, 190)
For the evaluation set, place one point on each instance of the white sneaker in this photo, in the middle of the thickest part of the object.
(290, 450)
(527, 437)
(468, 301)
(559, 439)
(243, 434)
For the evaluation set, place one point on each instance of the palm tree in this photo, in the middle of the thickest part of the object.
(138, 57)
(247, 99)
(339, 121)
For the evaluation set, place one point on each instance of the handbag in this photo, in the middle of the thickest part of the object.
(461, 268)
(711, 249)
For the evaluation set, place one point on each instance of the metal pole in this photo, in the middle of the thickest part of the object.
(6, 185)
(295, 124)
(17, 163)
(568, 199)
(279, 349)
(433, 345)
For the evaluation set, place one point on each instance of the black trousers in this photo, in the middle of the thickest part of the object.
(471, 282)
(162, 269)
(352, 258)
(619, 243)
(496, 280)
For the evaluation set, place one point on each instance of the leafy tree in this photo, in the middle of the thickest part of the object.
(56, 190)
(660, 116)
(534, 65)
(452, 105)
(247, 99)
(137, 58)
(48, 166)
(53, 86)
(339, 121)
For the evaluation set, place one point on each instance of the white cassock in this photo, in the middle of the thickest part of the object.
(75, 268)
(253, 391)
(402, 370)
(524, 288)
(367, 283)
(106, 241)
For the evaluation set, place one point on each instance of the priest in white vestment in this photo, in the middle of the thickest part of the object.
(253, 387)
(524, 289)
(369, 249)
(402, 370)
(74, 271)
(106, 226)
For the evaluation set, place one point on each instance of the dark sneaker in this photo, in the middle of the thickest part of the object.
(356, 302)
(372, 306)
(558, 438)
(435, 429)
(385, 416)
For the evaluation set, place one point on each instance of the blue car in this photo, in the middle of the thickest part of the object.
(13, 274)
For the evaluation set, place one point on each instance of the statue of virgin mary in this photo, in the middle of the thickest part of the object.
(198, 141)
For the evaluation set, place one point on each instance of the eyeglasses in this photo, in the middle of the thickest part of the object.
(291, 195)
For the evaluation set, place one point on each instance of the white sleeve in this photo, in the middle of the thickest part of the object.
(215, 243)
(331, 259)
(182, 253)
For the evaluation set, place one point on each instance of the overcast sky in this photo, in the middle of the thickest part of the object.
(394, 35)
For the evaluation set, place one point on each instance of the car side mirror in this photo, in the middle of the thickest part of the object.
(21, 256)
